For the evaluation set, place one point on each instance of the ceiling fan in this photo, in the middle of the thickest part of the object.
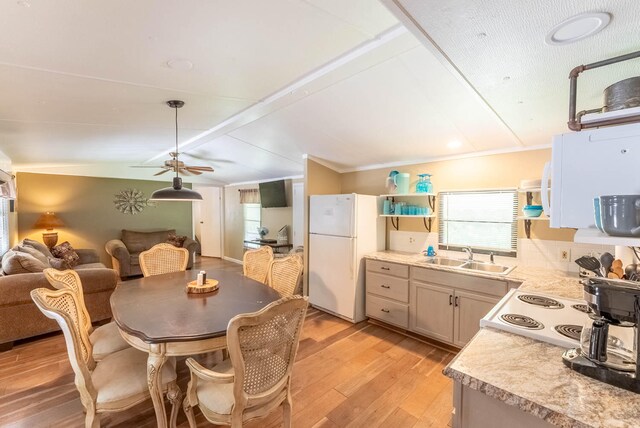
(174, 164)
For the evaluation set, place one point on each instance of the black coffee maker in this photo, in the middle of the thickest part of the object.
(609, 342)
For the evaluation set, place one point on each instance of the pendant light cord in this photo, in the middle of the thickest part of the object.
(176, 164)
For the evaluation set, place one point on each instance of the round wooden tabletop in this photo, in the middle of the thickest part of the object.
(157, 309)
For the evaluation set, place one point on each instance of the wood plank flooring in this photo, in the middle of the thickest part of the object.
(345, 375)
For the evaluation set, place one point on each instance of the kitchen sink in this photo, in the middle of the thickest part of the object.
(444, 261)
(487, 267)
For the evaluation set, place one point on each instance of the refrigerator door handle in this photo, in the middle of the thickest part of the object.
(544, 189)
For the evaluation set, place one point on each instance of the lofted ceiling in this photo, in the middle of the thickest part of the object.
(356, 83)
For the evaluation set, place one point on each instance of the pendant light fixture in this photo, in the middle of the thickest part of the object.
(176, 192)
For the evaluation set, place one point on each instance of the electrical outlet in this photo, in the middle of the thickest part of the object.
(564, 254)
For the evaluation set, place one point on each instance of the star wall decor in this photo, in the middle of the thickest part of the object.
(131, 201)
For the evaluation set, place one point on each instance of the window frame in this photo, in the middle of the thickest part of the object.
(5, 237)
(251, 235)
(513, 252)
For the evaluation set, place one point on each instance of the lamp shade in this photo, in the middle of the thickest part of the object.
(175, 193)
(48, 220)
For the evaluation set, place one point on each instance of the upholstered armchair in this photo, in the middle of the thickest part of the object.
(125, 251)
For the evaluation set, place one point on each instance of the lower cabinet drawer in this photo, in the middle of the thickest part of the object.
(388, 286)
(388, 311)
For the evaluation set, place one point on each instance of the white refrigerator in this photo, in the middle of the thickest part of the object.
(342, 229)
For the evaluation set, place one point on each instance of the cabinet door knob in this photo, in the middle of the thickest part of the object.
(385, 268)
(386, 311)
(385, 286)
(450, 299)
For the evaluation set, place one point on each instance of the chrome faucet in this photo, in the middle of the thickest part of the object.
(491, 258)
(469, 251)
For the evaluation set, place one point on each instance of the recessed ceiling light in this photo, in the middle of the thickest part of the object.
(24, 3)
(577, 28)
(454, 144)
(180, 64)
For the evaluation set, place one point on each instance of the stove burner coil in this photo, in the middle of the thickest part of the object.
(522, 321)
(581, 308)
(544, 302)
(569, 330)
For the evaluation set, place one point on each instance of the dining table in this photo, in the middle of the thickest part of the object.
(156, 315)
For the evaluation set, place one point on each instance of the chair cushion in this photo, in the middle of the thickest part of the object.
(137, 242)
(217, 397)
(124, 374)
(66, 252)
(106, 340)
(15, 262)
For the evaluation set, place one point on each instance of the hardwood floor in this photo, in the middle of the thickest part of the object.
(345, 375)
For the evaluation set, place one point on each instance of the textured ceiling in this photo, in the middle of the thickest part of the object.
(84, 83)
(498, 46)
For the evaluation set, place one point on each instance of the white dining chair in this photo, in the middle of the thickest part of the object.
(255, 263)
(256, 378)
(105, 339)
(285, 275)
(115, 383)
(163, 258)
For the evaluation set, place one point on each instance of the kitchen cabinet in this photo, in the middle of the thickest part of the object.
(469, 309)
(448, 306)
(387, 295)
(432, 311)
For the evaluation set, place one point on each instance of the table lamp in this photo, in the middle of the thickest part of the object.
(49, 221)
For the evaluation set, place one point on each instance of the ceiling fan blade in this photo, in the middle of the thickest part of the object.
(201, 168)
(161, 172)
(192, 171)
(206, 159)
(146, 166)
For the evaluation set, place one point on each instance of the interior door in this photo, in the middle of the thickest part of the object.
(207, 219)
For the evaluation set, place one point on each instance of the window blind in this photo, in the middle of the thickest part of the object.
(483, 220)
(4, 226)
(251, 214)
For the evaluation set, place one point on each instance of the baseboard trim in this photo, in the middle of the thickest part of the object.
(229, 259)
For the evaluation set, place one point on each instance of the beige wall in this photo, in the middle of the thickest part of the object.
(271, 218)
(85, 204)
(484, 172)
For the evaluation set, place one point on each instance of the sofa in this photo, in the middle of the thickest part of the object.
(125, 251)
(19, 316)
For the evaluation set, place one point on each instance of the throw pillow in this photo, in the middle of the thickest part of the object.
(33, 252)
(15, 262)
(66, 252)
(60, 264)
(38, 246)
(176, 240)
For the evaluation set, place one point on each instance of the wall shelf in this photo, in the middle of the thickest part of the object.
(426, 219)
(527, 220)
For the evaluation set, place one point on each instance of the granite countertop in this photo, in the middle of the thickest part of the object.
(529, 374)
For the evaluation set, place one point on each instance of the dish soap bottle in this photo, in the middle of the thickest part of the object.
(424, 184)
